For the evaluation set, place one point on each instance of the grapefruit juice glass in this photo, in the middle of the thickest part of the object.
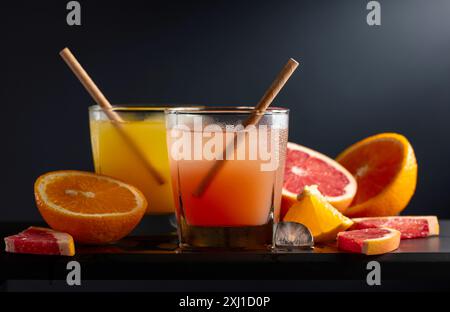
(240, 205)
(145, 126)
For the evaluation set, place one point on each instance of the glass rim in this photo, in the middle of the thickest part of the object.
(224, 110)
(141, 108)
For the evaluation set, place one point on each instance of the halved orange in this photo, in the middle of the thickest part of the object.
(94, 209)
(385, 169)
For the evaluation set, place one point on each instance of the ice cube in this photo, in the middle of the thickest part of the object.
(292, 235)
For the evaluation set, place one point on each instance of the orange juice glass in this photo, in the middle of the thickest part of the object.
(240, 205)
(145, 126)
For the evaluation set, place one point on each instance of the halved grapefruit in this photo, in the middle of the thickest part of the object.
(374, 241)
(306, 167)
(409, 226)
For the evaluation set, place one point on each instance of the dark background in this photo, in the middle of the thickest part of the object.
(354, 80)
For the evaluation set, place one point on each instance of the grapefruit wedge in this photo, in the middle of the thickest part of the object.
(40, 241)
(373, 241)
(306, 167)
(409, 226)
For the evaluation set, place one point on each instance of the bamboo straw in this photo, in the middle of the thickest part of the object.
(103, 102)
(254, 118)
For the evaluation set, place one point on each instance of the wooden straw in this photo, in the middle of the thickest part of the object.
(254, 118)
(103, 102)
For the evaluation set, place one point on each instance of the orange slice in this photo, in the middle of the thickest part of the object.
(385, 169)
(321, 218)
(94, 209)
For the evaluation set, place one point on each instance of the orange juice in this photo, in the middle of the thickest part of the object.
(113, 157)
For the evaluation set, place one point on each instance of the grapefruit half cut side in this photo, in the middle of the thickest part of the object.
(306, 167)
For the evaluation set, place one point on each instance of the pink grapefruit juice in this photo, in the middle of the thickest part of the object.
(241, 193)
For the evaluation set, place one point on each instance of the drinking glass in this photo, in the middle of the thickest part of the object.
(227, 175)
(114, 155)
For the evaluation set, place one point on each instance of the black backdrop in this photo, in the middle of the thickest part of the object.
(354, 80)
